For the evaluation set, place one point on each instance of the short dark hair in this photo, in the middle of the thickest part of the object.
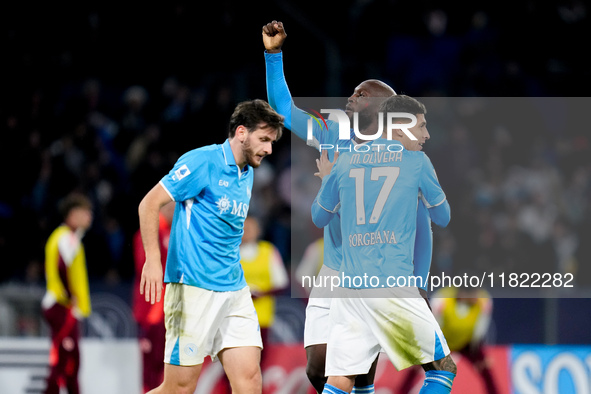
(72, 201)
(403, 103)
(251, 114)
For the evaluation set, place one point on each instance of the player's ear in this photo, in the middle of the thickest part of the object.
(241, 133)
(397, 132)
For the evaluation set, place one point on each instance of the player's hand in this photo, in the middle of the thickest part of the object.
(77, 313)
(324, 165)
(423, 294)
(273, 36)
(151, 281)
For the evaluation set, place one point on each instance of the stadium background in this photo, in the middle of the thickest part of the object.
(103, 99)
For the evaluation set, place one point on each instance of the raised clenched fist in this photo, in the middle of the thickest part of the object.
(273, 36)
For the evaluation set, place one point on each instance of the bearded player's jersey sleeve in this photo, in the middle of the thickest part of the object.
(189, 176)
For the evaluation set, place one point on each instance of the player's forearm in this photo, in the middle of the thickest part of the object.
(82, 307)
(320, 215)
(441, 214)
(432, 194)
(280, 99)
(278, 93)
(148, 211)
(326, 203)
(78, 284)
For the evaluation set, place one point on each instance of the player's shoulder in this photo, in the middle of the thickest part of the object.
(415, 159)
(62, 232)
(423, 159)
(68, 240)
(207, 149)
(201, 153)
(419, 154)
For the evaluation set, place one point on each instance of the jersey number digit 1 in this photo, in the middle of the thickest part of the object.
(391, 174)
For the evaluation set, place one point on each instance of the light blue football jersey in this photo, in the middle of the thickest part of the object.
(212, 198)
(376, 194)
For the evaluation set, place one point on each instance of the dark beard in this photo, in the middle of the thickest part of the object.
(249, 154)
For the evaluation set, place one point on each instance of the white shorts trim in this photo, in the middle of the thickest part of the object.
(202, 322)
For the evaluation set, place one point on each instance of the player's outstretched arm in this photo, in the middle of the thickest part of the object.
(78, 282)
(151, 282)
(278, 94)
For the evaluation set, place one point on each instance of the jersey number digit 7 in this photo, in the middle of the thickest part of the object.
(391, 174)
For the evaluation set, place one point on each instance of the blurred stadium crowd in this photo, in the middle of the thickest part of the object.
(104, 100)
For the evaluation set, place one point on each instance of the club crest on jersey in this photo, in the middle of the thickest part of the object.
(239, 209)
